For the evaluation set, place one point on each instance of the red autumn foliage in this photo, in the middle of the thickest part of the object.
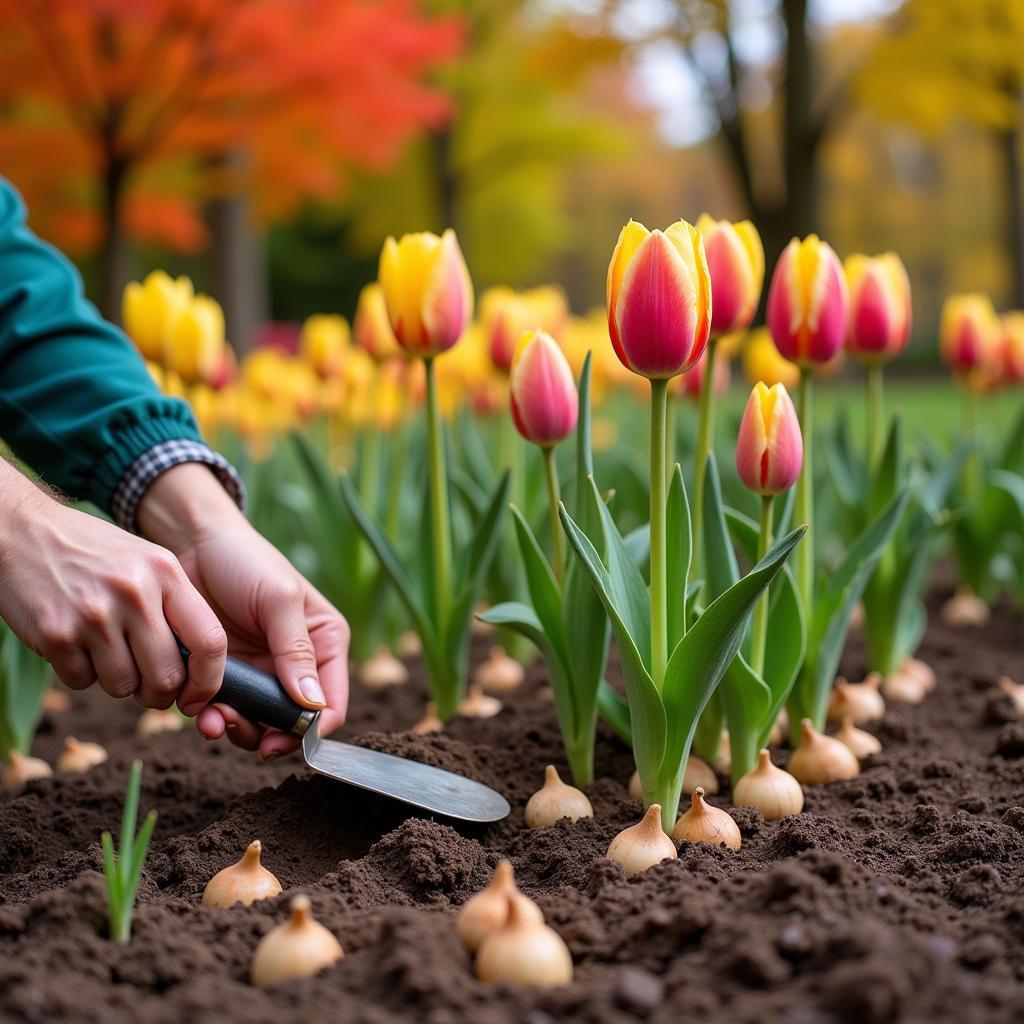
(164, 104)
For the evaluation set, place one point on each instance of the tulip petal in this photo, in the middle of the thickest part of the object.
(631, 237)
(542, 391)
(447, 295)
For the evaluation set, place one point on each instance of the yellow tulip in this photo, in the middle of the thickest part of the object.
(762, 362)
(372, 328)
(323, 341)
(149, 310)
(195, 345)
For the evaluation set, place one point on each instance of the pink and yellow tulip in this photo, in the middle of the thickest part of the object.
(735, 258)
(769, 449)
(505, 317)
(1011, 348)
(428, 291)
(691, 384)
(808, 303)
(880, 311)
(542, 391)
(659, 299)
(969, 336)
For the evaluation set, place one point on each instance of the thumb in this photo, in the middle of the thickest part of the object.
(293, 653)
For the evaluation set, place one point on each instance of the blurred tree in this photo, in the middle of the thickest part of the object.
(526, 114)
(123, 119)
(952, 62)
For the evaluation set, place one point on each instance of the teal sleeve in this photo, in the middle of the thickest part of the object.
(76, 401)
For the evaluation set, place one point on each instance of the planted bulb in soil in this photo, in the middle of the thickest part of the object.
(55, 702)
(487, 910)
(499, 674)
(723, 758)
(703, 823)
(860, 701)
(78, 756)
(21, 769)
(244, 882)
(965, 610)
(429, 722)
(820, 759)
(774, 792)
(922, 670)
(556, 800)
(383, 670)
(524, 952)
(903, 687)
(478, 705)
(862, 743)
(410, 645)
(1015, 691)
(155, 721)
(698, 773)
(643, 845)
(296, 949)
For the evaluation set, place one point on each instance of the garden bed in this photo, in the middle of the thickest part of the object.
(897, 895)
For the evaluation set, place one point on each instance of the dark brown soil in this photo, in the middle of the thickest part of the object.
(896, 896)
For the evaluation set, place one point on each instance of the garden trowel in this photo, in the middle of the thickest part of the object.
(261, 698)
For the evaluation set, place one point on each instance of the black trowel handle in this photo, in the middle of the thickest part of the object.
(259, 696)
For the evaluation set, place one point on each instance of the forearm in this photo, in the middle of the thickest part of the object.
(22, 503)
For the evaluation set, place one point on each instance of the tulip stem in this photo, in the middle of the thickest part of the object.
(369, 489)
(659, 558)
(973, 471)
(805, 494)
(511, 458)
(554, 497)
(705, 432)
(440, 524)
(875, 414)
(396, 478)
(759, 631)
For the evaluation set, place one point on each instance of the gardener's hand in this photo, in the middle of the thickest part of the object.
(101, 604)
(274, 618)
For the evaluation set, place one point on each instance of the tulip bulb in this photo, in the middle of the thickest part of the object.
(79, 757)
(478, 705)
(487, 910)
(821, 759)
(244, 882)
(775, 793)
(698, 773)
(499, 674)
(155, 721)
(55, 701)
(723, 758)
(861, 701)
(965, 609)
(524, 951)
(296, 949)
(779, 728)
(383, 670)
(643, 845)
(429, 722)
(556, 800)
(1015, 691)
(924, 672)
(22, 769)
(860, 742)
(703, 823)
(904, 687)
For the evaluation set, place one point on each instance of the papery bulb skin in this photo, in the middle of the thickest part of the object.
(703, 823)
(154, 721)
(922, 671)
(774, 792)
(78, 757)
(21, 769)
(410, 645)
(723, 756)
(808, 304)
(542, 392)
(244, 882)
(429, 722)
(659, 299)
(371, 328)
(697, 773)
(820, 759)
(1013, 690)
(643, 845)
(902, 687)
(487, 910)
(735, 259)
(862, 743)
(880, 311)
(383, 670)
(965, 610)
(969, 337)
(499, 674)
(427, 290)
(55, 702)
(769, 448)
(860, 701)
(556, 800)
(524, 953)
(478, 705)
(299, 948)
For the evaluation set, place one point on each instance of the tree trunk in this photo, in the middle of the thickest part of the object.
(114, 271)
(239, 269)
(447, 179)
(1009, 148)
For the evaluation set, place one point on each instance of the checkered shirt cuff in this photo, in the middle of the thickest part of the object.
(160, 458)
